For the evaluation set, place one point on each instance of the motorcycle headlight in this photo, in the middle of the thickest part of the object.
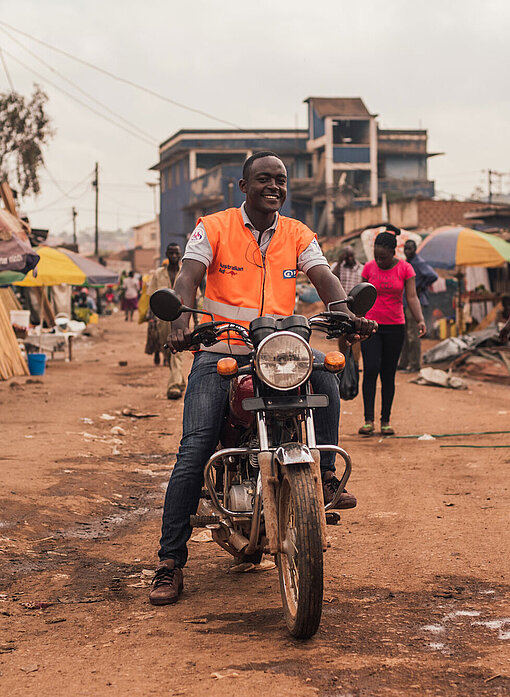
(284, 360)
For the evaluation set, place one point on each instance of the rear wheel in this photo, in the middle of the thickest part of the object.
(300, 560)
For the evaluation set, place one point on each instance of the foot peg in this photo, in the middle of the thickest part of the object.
(202, 521)
(332, 518)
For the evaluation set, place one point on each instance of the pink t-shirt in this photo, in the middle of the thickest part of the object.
(388, 307)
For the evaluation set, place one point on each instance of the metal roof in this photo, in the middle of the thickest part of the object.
(338, 106)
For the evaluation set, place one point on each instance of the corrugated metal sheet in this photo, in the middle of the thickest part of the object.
(339, 106)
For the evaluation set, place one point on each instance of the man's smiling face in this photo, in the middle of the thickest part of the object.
(266, 185)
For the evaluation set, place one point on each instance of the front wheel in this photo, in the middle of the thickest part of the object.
(300, 562)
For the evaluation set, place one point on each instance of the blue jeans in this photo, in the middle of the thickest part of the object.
(205, 405)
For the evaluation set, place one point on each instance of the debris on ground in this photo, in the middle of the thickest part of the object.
(227, 674)
(118, 431)
(479, 354)
(251, 568)
(136, 414)
(439, 378)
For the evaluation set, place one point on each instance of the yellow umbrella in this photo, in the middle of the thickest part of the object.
(59, 265)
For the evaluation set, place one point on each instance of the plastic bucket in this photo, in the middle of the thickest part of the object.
(36, 363)
(20, 318)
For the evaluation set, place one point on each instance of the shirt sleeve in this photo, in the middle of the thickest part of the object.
(425, 274)
(408, 270)
(198, 246)
(310, 257)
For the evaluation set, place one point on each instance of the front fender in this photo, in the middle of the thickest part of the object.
(290, 454)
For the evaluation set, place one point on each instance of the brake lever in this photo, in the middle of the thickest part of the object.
(204, 334)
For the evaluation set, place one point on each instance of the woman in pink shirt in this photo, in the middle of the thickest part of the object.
(381, 351)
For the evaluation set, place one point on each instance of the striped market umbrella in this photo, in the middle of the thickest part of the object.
(58, 265)
(451, 247)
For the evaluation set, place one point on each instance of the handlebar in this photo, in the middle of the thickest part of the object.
(334, 324)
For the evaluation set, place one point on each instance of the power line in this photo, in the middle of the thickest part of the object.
(122, 79)
(114, 185)
(52, 178)
(6, 71)
(90, 108)
(77, 87)
(66, 195)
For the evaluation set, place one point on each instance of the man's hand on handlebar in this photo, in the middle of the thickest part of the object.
(363, 329)
(179, 338)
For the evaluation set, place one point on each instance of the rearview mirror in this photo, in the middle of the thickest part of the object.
(361, 298)
(166, 305)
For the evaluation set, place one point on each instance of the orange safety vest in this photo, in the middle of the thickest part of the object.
(240, 284)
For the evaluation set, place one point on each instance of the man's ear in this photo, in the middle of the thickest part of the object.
(242, 185)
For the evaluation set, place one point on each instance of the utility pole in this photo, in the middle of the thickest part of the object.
(95, 184)
(491, 175)
(75, 241)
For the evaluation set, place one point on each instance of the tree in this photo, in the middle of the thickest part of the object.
(24, 130)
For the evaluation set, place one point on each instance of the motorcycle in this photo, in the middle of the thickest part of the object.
(263, 489)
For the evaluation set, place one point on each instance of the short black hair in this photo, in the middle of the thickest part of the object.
(173, 244)
(256, 156)
(411, 242)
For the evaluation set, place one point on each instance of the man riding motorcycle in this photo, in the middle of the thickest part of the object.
(251, 256)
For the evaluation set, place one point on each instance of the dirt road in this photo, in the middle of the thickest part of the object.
(416, 594)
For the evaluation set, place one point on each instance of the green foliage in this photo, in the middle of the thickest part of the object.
(24, 130)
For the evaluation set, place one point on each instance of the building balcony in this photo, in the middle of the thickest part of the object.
(407, 188)
(351, 154)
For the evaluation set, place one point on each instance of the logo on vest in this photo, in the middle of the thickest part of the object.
(289, 273)
(230, 270)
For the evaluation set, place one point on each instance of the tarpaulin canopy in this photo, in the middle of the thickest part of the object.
(450, 247)
(368, 238)
(58, 265)
(16, 254)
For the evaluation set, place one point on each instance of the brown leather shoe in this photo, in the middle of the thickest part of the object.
(167, 584)
(173, 393)
(330, 486)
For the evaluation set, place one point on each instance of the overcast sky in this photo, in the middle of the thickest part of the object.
(442, 65)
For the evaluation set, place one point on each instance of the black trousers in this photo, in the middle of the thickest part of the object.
(380, 357)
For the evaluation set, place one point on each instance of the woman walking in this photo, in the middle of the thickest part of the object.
(381, 351)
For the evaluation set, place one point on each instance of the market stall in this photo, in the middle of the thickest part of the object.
(456, 248)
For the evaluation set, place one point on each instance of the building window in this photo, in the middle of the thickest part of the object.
(177, 173)
(162, 181)
(346, 132)
(169, 182)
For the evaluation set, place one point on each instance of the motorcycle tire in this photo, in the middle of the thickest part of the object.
(300, 561)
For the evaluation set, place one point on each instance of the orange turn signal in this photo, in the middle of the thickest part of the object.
(227, 367)
(334, 361)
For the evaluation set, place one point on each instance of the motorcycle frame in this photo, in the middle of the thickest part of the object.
(271, 460)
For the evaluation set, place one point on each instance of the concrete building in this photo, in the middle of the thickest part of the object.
(341, 160)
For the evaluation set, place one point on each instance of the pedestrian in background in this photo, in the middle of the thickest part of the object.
(381, 351)
(410, 358)
(131, 288)
(348, 270)
(164, 277)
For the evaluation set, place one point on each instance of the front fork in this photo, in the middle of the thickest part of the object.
(291, 455)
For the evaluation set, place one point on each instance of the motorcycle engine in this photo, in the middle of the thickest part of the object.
(240, 496)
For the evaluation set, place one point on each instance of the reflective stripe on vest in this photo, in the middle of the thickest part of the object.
(233, 313)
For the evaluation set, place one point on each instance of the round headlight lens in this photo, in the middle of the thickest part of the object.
(284, 360)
